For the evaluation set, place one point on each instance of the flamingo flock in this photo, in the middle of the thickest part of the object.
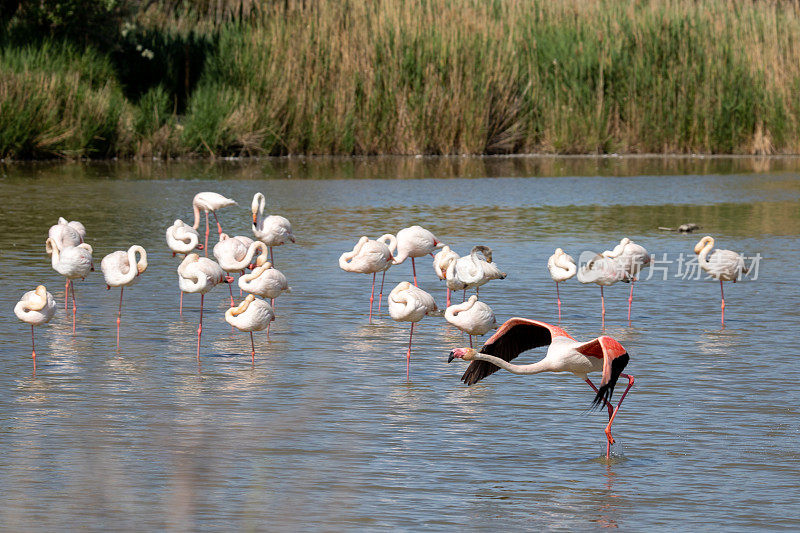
(252, 260)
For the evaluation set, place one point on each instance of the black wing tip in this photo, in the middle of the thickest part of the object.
(605, 392)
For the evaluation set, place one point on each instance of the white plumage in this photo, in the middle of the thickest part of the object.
(121, 269)
(182, 238)
(472, 317)
(273, 230)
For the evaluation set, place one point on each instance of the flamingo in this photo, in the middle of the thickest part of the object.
(473, 271)
(562, 267)
(603, 271)
(72, 262)
(234, 254)
(121, 269)
(441, 261)
(472, 317)
(209, 201)
(182, 238)
(67, 234)
(410, 304)
(724, 265)
(564, 354)
(415, 241)
(36, 308)
(200, 275)
(370, 257)
(251, 315)
(274, 230)
(265, 281)
(632, 258)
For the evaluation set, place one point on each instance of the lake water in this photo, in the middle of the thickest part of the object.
(324, 432)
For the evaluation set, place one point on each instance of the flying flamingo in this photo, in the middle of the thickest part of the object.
(199, 275)
(209, 201)
(235, 254)
(472, 317)
(632, 258)
(415, 241)
(473, 271)
(36, 308)
(67, 234)
(724, 265)
(369, 257)
(274, 230)
(410, 304)
(121, 269)
(564, 354)
(252, 315)
(562, 267)
(72, 262)
(603, 271)
(441, 261)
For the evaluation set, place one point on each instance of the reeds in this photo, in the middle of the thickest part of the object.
(448, 77)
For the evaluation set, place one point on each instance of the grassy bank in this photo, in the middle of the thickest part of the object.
(414, 76)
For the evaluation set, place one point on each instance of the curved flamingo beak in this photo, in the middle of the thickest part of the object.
(452, 356)
(255, 223)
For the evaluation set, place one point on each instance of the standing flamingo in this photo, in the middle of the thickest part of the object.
(72, 262)
(631, 258)
(410, 304)
(472, 317)
(209, 201)
(235, 254)
(36, 308)
(274, 230)
(369, 257)
(67, 234)
(415, 241)
(603, 271)
(182, 239)
(252, 315)
(199, 275)
(441, 261)
(724, 265)
(121, 269)
(564, 354)
(562, 267)
(473, 271)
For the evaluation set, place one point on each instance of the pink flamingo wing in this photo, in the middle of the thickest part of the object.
(615, 359)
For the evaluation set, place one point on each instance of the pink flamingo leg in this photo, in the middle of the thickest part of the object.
(372, 296)
(603, 307)
(74, 306)
(219, 228)
(271, 260)
(253, 348)
(205, 248)
(33, 351)
(722, 292)
(380, 295)
(268, 326)
(119, 313)
(608, 404)
(470, 341)
(414, 270)
(616, 410)
(408, 353)
(448, 296)
(630, 301)
(200, 328)
(558, 298)
(181, 305)
(230, 290)
(66, 295)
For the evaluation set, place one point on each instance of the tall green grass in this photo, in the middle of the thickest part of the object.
(420, 76)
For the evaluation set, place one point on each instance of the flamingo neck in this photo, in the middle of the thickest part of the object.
(196, 211)
(534, 368)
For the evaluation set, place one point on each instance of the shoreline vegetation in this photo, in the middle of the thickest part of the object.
(202, 78)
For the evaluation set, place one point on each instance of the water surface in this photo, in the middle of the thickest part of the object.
(324, 433)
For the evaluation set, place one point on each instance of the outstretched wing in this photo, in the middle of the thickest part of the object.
(615, 359)
(515, 336)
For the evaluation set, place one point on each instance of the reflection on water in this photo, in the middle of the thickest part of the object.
(323, 432)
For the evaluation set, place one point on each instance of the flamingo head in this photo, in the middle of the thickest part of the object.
(466, 354)
(228, 279)
(703, 243)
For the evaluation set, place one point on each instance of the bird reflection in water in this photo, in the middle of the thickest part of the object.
(608, 507)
